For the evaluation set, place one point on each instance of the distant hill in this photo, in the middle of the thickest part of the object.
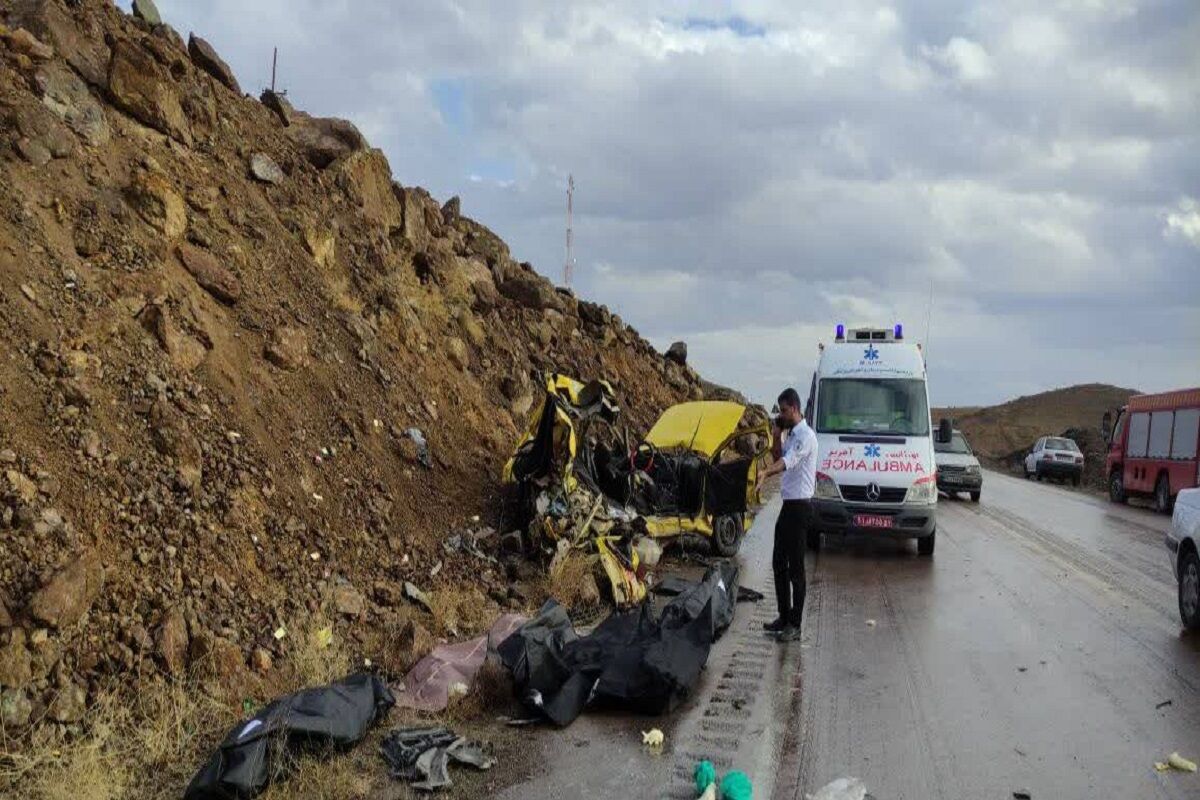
(999, 434)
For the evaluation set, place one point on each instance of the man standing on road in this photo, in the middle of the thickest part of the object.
(796, 458)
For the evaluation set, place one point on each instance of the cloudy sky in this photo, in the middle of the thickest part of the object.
(750, 173)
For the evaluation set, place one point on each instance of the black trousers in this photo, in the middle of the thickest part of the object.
(787, 558)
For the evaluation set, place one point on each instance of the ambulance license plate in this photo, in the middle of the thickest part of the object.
(872, 521)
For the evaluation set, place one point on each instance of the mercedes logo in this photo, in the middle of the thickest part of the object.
(873, 492)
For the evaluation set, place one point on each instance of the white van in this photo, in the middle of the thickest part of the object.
(869, 406)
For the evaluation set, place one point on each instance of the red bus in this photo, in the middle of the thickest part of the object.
(1152, 447)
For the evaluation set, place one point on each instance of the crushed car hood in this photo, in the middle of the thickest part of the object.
(701, 426)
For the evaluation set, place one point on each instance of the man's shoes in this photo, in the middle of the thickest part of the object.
(777, 626)
(790, 634)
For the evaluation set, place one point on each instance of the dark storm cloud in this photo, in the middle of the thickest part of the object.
(751, 172)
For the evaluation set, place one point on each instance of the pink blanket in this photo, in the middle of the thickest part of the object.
(427, 685)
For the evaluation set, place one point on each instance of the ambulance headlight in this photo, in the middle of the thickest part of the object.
(923, 492)
(825, 488)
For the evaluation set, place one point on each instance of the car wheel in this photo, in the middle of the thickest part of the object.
(1039, 477)
(1189, 590)
(1116, 487)
(812, 539)
(1074, 480)
(975, 497)
(1162, 495)
(727, 535)
(925, 544)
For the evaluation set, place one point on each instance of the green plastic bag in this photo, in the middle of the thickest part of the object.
(705, 775)
(736, 786)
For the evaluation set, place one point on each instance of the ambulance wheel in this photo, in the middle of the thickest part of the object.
(813, 539)
(727, 535)
(974, 497)
(925, 544)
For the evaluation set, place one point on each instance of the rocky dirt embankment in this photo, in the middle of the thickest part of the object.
(246, 376)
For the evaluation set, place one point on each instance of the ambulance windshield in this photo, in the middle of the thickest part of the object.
(872, 406)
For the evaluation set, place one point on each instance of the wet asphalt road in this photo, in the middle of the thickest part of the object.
(1031, 653)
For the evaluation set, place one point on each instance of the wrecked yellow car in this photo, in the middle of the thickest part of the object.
(696, 471)
(577, 476)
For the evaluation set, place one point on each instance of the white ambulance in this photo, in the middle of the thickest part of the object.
(869, 407)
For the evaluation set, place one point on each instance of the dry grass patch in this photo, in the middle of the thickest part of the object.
(147, 745)
(143, 746)
(461, 612)
(315, 654)
(341, 776)
(573, 582)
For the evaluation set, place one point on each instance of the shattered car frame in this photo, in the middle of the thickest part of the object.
(575, 477)
(703, 457)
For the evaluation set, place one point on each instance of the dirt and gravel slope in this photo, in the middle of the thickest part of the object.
(1002, 434)
(224, 331)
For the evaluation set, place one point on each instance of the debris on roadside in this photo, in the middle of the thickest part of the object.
(734, 786)
(1175, 762)
(673, 585)
(262, 749)
(468, 542)
(523, 722)
(705, 775)
(418, 439)
(430, 683)
(323, 637)
(578, 482)
(747, 595)
(422, 756)
(841, 789)
(631, 659)
(413, 593)
(1163, 704)
(653, 739)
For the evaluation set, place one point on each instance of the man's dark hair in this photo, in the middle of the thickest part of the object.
(790, 397)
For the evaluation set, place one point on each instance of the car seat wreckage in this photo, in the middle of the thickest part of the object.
(578, 483)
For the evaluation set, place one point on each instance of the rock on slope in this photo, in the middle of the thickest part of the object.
(218, 323)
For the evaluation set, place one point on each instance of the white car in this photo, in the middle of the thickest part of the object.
(1182, 539)
(957, 467)
(1055, 457)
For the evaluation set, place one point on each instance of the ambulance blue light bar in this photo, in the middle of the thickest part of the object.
(840, 332)
(899, 331)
